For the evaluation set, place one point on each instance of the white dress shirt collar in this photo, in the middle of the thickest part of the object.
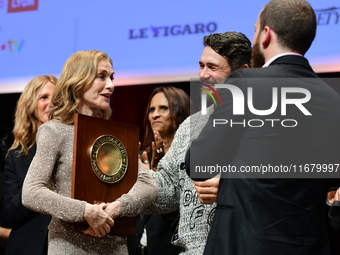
(280, 55)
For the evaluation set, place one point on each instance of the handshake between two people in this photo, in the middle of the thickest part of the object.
(101, 217)
(206, 190)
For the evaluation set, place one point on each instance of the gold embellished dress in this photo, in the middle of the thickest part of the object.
(47, 189)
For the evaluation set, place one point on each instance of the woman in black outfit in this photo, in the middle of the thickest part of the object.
(29, 229)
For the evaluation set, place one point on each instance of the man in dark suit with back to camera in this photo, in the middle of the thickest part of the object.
(278, 146)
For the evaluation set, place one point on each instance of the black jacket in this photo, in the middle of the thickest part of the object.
(29, 228)
(265, 216)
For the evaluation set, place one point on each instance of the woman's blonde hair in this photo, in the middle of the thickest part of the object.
(78, 74)
(26, 123)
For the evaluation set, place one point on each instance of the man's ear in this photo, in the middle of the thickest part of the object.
(266, 37)
(244, 66)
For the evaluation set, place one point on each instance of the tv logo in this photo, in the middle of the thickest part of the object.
(12, 45)
(22, 5)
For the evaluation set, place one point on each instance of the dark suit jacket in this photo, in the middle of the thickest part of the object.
(160, 229)
(271, 216)
(29, 229)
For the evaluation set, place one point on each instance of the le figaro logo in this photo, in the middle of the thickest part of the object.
(172, 30)
(239, 105)
(22, 5)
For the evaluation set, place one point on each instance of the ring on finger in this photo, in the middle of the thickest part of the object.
(160, 150)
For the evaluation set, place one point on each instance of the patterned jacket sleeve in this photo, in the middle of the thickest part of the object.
(168, 175)
(141, 195)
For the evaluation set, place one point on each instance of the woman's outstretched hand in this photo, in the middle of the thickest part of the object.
(157, 150)
(144, 159)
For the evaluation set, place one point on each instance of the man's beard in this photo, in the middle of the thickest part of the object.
(257, 59)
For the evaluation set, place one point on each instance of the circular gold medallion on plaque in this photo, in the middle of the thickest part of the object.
(109, 158)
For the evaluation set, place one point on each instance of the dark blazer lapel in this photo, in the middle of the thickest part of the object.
(27, 161)
(144, 218)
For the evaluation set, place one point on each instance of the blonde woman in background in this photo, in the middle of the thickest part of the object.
(29, 228)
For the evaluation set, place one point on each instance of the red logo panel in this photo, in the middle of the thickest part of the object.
(22, 5)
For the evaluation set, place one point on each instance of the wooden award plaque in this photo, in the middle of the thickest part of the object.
(105, 165)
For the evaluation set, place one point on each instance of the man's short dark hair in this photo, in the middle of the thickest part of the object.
(293, 21)
(233, 46)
